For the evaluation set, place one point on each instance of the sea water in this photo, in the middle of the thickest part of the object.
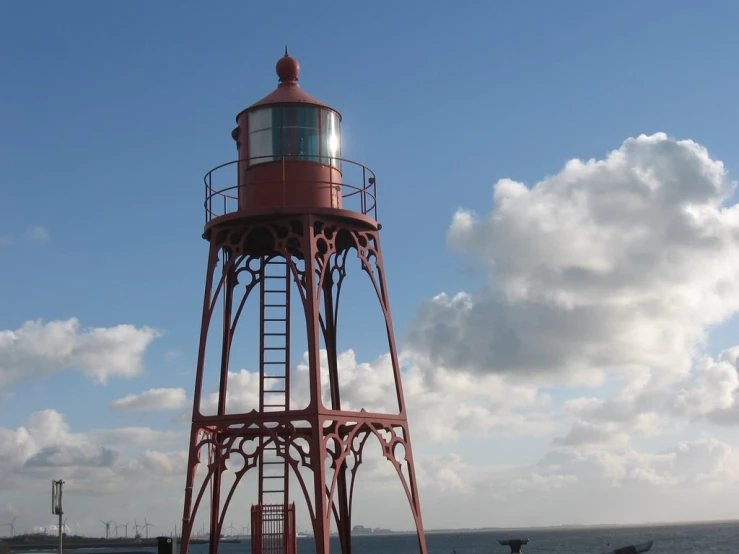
(714, 538)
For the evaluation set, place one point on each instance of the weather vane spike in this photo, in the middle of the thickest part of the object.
(286, 50)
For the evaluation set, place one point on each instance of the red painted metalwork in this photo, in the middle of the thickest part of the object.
(300, 184)
(275, 230)
(273, 527)
(288, 70)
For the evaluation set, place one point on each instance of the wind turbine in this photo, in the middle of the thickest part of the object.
(125, 527)
(12, 527)
(136, 528)
(146, 527)
(231, 528)
(107, 527)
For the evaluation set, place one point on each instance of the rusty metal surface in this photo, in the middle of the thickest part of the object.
(315, 249)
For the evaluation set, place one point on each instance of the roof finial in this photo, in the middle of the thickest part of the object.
(288, 68)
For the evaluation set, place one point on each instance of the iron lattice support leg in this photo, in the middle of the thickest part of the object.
(382, 293)
(190, 509)
(215, 495)
(321, 523)
(188, 515)
(327, 252)
(329, 321)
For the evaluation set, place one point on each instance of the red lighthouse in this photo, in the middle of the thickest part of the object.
(279, 239)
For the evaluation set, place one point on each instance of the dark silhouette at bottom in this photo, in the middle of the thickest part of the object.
(633, 548)
(516, 544)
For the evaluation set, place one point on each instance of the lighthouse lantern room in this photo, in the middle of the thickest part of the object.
(289, 148)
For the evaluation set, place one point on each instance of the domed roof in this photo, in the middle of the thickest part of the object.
(288, 91)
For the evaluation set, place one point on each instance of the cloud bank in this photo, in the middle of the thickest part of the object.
(585, 348)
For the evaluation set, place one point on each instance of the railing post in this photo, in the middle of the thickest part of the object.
(363, 198)
(374, 190)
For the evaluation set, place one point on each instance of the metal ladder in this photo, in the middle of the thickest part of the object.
(274, 371)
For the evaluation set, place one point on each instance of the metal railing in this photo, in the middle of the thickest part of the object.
(358, 184)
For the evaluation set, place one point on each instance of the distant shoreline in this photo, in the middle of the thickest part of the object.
(92, 543)
(575, 526)
(52, 544)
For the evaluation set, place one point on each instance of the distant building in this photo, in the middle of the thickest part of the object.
(362, 530)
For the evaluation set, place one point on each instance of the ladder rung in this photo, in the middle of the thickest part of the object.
(274, 363)
(275, 305)
(273, 491)
(272, 463)
(275, 319)
(275, 377)
(283, 291)
(274, 406)
(273, 476)
(274, 391)
(275, 334)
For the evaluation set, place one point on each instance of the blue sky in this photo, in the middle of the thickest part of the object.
(111, 114)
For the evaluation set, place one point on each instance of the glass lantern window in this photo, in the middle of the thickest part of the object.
(260, 136)
(330, 138)
(306, 133)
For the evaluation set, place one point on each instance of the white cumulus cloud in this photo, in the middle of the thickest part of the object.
(38, 349)
(713, 390)
(612, 264)
(153, 400)
(45, 447)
